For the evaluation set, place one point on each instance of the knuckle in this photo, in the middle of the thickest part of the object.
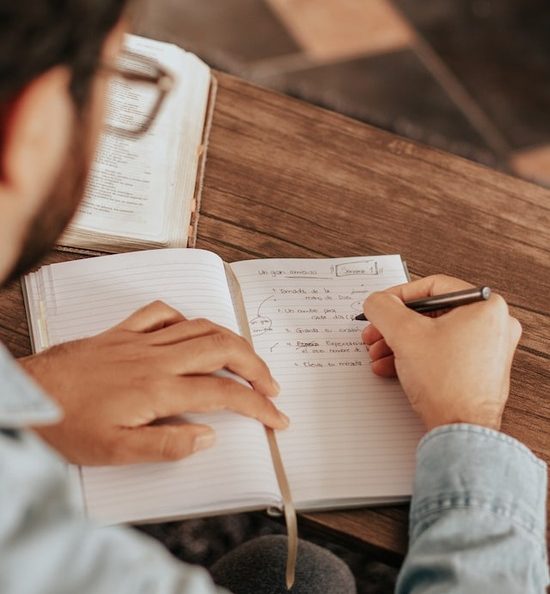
(516, 324)
(239, 341)
(161, 308)
(158, 386)
(437, 282)
(374, 298)
(516, 327)
(203, 324)
(442, 278)
(498, 305)
(153, 308)
(445, 282)
(157, 304)
(144, 384)
(244, 341)
(222, 341)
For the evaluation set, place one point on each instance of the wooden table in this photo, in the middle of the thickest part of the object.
(285, 179)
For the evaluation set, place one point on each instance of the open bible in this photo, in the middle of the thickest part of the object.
(352, 436)
(144, 192)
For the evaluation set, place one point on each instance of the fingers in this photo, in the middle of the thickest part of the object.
(515, 332)
(429, 286)
(390, 316)
(153, 316)
(161, 443)
(221, 350)
(215, 393)
(200, 347)
(379, 350)
(184, 330)
(385, 367)
(204, 394)
(382, 359)
(371, 334)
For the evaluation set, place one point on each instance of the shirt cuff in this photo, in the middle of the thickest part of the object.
(467, 466)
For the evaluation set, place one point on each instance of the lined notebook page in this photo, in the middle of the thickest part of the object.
(352, 435)
(88, 296)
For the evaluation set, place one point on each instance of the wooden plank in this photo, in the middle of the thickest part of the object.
(380, 531)
(338, 187)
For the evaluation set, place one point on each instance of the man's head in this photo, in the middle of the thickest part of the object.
(51, 109)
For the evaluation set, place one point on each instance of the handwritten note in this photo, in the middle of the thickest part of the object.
(352, 433)
(352, 436)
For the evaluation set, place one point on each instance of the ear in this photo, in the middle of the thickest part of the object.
(36, 134)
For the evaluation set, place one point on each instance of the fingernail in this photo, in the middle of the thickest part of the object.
(204, 441)
(276, 385)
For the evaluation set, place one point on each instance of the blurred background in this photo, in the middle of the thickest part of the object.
(469, 76)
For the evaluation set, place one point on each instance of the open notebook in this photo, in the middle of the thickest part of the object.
(145, 192)
(352, 436)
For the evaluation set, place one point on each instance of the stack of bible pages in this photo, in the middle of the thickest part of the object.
(143, 192)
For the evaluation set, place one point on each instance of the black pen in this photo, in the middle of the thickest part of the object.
(445, 301)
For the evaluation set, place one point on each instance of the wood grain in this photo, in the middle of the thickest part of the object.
(285, 179)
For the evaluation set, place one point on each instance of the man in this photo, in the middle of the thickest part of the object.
(478, 511)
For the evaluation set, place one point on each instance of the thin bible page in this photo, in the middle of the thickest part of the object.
(88, 296)
(130, 181)
(352, 434)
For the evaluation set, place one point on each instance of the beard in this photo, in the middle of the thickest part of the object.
(61, 203)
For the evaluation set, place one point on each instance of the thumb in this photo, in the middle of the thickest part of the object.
(389, 315)
(156, 443)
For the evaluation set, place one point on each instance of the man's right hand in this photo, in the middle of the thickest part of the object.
(155, 364)
(454, 368)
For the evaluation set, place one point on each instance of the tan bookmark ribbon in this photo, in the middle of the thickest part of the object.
(280, 473)
(290, 512)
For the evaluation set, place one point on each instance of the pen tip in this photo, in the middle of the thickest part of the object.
(361, 317)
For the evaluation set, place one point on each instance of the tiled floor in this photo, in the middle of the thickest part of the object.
(469, 76)
(327, 30)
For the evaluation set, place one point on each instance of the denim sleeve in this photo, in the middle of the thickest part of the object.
(47, 547)
(478, 512)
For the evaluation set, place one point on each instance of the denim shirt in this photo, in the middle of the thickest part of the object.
(477, 517)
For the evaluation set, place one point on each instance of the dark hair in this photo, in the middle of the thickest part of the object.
(36, 35)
